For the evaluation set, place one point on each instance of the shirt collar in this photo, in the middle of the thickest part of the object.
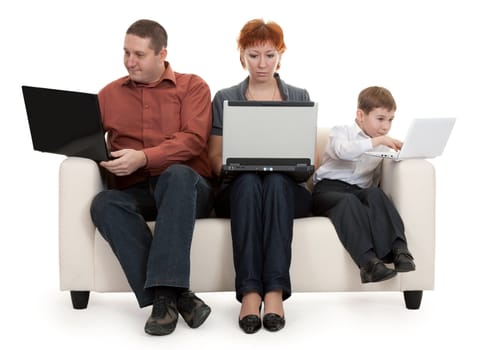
(358, 131)
(168, 74)
(283, 88)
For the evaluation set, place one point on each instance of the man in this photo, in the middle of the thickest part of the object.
(158, 123)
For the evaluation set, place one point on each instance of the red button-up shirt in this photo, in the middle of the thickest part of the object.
(169, 120)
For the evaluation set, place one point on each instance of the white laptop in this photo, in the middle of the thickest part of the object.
(269, 136)
(426, 138)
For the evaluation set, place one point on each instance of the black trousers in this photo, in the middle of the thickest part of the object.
(364, 218)
(262, 209)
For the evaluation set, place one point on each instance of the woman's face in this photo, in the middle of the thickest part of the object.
(261, 61)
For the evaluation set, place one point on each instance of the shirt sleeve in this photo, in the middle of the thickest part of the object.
(217, 113)
(344, 145)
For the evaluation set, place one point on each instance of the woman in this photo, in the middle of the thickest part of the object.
(261, 207)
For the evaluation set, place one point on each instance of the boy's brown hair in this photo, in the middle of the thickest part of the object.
(375, 97)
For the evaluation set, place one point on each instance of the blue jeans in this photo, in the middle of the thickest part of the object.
(262, 209)
(174, 200)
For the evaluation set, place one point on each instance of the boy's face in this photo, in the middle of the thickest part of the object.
(377, 123)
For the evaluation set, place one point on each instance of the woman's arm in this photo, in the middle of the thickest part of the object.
(215, 153)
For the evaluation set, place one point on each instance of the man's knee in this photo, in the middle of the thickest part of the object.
(101, 202)
(103, 209)
(179, 173)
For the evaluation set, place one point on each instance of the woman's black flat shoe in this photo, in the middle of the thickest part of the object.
(273, 322)
(250, 324)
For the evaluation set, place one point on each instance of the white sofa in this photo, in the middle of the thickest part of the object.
(319, 263)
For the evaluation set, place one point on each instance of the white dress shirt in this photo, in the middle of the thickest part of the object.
(345, 159)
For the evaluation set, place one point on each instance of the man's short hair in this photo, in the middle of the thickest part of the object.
(145, 28)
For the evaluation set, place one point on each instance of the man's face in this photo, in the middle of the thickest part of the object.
(140, 60)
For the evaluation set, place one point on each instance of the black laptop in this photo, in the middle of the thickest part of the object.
(65, 122)
(269, 136)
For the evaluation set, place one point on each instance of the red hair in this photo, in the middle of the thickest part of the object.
(257, 32)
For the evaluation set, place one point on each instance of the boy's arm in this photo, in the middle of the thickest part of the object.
(387, 141)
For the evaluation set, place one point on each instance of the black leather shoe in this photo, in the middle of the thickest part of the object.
(403, 261)
(193, 310)
(163, 319)
(273, 322)
(250, 324)
(376, 271)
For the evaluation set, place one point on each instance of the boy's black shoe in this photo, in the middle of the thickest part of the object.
(193, 310)
(376, 271)
(403, 260)
(163, 319)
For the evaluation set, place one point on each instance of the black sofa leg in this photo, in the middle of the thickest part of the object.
(413, 298)
(80, 299)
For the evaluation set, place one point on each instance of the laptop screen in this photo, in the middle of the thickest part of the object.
(271, 103)
(65, 122)
(269, 136)
(269, 130)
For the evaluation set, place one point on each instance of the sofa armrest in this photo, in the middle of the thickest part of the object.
(411, 185)
(79, 182)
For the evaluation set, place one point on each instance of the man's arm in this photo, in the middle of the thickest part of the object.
(191, 140)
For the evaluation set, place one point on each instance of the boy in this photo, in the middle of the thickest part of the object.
(346, 190)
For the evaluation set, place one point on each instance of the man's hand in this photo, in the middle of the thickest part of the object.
(126, 162)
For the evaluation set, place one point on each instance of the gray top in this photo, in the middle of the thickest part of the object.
(238, 93)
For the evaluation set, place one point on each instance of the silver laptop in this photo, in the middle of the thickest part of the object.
(269, 136)
(426, 138)
(65, 122)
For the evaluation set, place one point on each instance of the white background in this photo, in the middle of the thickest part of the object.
(437, 57)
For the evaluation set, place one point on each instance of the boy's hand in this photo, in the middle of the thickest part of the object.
(387, 141)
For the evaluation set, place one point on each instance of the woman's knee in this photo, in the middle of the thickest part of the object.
(278, 182)
(247, 182)
(246, 187)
